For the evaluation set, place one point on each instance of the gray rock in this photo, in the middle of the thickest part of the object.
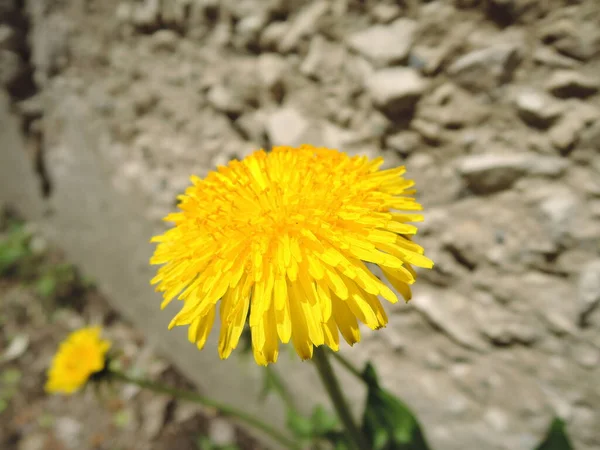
(154, 415)
(385, 12)
(385, 45)
(403, 142)
(286, 126)
(485, 69)
(396, 90)
(11, 67)
(549, 57)
(224, 99)
(450, 312)
(558, 210)
(569, 83)
(566, 132)
(145, 15)
(272, 35)
(8, 38)
(536, 108)
(491, 172)
(271, 69)
(305, 23)
(165, 40)
(588, 290)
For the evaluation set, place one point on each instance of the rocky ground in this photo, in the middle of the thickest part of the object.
(493, 106)
(42, 299)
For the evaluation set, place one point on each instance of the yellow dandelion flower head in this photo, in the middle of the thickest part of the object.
(284, 238)
(79, 356)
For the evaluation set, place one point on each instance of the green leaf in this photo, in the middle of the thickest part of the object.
(556, 438)
(388, 423)
(323, 422)
(299, 425)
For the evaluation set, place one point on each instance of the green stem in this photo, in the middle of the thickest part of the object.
(224, 410)
(337, 397)
(347, 365)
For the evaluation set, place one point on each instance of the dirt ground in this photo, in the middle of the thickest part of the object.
(42, 299)
(493, 106)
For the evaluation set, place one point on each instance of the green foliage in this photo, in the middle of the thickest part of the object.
(16, 258)
(206, 443)
(9, 384)
(388, 423)
(556, 438)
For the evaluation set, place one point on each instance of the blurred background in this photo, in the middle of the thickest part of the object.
(108, 106)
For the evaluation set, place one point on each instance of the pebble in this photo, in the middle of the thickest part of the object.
(570, 83)
(271, 69)
(385, 45)
(588, 290)
(303, 24)
(396, 90)
(485, 69)
(286, 126)
(536, 108)
(165, 40)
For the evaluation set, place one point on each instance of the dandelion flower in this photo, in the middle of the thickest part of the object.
(79, 357)
(283, 238)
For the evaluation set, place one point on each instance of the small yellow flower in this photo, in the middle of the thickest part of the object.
(79, 356)
(283, 238)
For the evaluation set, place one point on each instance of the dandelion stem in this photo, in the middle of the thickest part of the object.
(224, 410)
(347, 365)
(334, 390)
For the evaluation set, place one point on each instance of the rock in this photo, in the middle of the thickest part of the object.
(271, 69)
(558, 210)
(8, 38)
(586, 355)
(576, 37)
(403, 142)
(549, 57)
(272, 35)
(485, 69)
(154, 415)
(451, 107)
(385, 12)
(11, 67)
(449, 312)
(286, 126)
(491, 172)
(69, 431)
(33, 441)
(145, 15)
(565, 134)
(303, 24)
(537, 108)
(588, 290)
(569, 83)
(385, 45)
(395, 90)
(221, 432)
(165, 40)
(224, 99)
(467, 240)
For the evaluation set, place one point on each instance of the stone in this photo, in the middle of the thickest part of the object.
(385, 45)
(491, 172)
(549, 57)
(146, 14)
(272, 35)
(565, 134)
(403, 142)
(449, 312)
(451, 107)
(558, 210)
(286, 126)
(485, 69)
(588, 290)
(385, 12)
(396, 90)
(570, 83)
(303, 24)
(154, 415)
(271, 69)
(221, 432)
(11, 67)
(537, 109)
(224, 99)
(165, 40)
